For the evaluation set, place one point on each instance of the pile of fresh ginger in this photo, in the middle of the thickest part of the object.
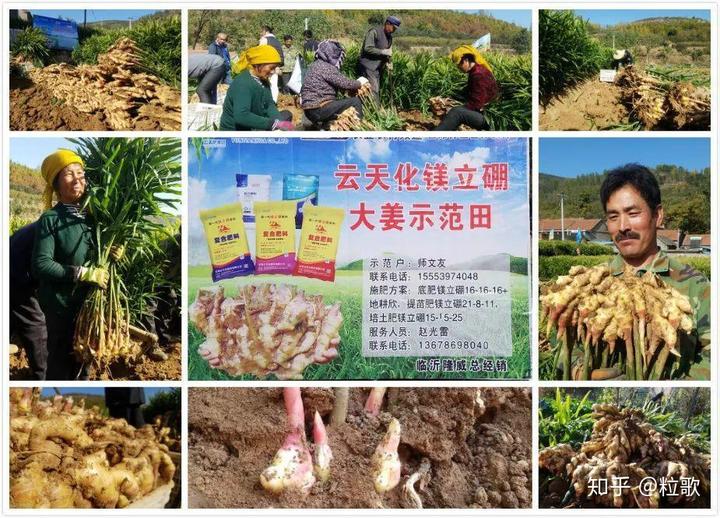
(626, 324)
(63, 455)
(626, 450)
(266, 329)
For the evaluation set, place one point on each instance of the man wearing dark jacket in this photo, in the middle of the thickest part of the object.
(311, 44)
(27, 321)
(219, 48)
(125, 403)
(622, 58)
(376, 53)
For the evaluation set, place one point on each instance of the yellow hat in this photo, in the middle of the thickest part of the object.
(457, 54)
(259, 55)
(51, 166)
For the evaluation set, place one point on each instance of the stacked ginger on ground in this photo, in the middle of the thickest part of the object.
(63, 455)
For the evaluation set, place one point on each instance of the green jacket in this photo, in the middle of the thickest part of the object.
(290, 55)
(63, 243)
(696, 287)
(248, 105)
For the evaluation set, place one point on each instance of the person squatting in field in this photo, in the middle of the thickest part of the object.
(481, 89)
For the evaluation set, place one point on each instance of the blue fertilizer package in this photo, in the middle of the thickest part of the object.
(302, 189)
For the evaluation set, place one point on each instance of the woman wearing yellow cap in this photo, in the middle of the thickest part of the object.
(61, 253)
(481, 89)
(249, 104)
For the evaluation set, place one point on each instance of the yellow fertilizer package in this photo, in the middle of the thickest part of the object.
(319, 242)
(227, 242)
(274, 236)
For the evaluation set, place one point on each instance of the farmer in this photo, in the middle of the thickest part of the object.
(481, 89)
(125, 403)
(27, 321)
(622, 58)
(630, 197)
(310, 44)
(62, 249)
(324, 81)
(268, 38)
(162, 316)
(209, 70)
(376, 53)
(219, 48)
(249, 104)
(290, 54)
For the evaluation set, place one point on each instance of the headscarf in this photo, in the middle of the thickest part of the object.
(258, 55)
(51, 167)
(330, 51)
(393, 20)
(457, 54)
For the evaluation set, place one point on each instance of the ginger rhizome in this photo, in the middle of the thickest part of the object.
(63, 455)
(292, 466)
(267, 329)
(624, 447)
(627, 322)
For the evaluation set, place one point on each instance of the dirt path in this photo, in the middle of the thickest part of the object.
(592, 105)
(479, 458)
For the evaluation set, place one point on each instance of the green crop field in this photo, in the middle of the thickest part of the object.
(350, 363)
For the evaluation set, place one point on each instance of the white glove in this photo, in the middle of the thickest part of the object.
(387, 52)
(363, 81)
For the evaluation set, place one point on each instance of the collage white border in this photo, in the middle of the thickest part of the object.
(534, 135)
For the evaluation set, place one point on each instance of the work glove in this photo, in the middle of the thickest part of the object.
(283, 125)
(94, 275)
(363, 81)
(117, 252)
(389, 65)
(386, 52)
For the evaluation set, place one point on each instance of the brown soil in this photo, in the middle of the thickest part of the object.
(592, 105)
(478, 458)
(114, 94)
(144, 369)
(34, 108)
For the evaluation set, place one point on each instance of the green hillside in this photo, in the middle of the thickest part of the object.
(691, 34)
(685, 196)
(419, 27)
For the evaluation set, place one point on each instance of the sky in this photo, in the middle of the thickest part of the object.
(570, 157)
(614, 16)
(100, 391)
(521, 17)
(32, 151)
(212, 183)
(95, 15)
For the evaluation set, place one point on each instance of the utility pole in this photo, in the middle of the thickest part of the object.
(129, 23)
(562, 216)
(84, 17)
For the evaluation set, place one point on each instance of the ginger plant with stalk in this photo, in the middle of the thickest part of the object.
(297, 465)
(624, 323)
(624, 445)
(134, 189)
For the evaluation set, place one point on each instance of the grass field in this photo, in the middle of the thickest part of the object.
(350, 363)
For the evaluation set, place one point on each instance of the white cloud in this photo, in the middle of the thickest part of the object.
(197, 195)
(368, 150)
